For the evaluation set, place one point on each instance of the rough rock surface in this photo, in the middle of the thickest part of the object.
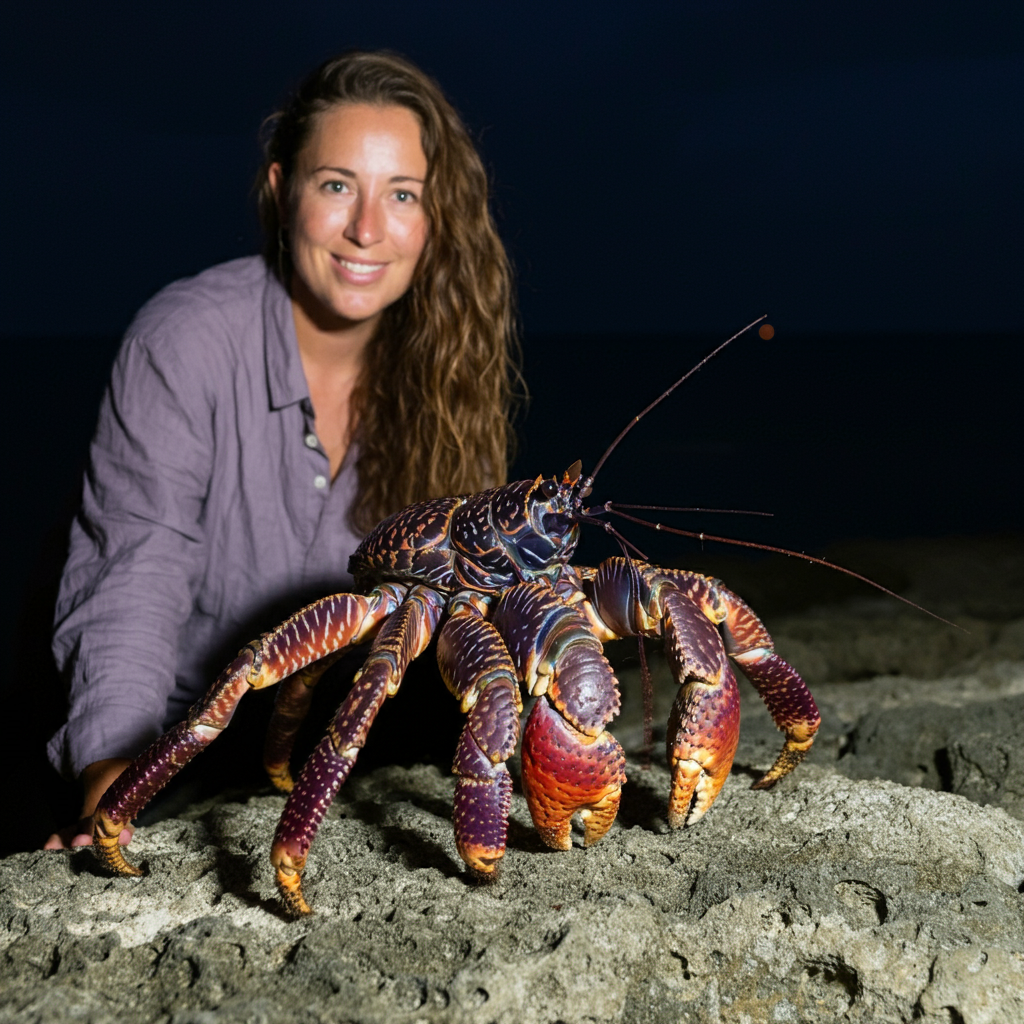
(882, 881)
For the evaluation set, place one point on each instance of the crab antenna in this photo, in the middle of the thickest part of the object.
(611, 506)
(785, 551)
(623, 541)
(586, 484)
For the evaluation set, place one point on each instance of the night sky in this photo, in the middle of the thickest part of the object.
(663, 173)
(658, 167)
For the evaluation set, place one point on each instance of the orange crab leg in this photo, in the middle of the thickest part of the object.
(565, 771)
(316, 631)
(688, 609)
(704, 726)
(401, 639)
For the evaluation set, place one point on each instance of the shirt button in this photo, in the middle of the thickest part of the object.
(311, 441)
(319, 482)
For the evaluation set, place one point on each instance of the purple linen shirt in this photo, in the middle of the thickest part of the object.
(207, 511)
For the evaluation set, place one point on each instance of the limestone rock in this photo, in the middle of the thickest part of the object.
(882, 882)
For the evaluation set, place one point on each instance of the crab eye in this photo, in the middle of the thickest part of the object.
(549, 488)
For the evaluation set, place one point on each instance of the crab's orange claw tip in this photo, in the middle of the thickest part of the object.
(106, 835)
(558, 835)
(288, 871)
(598, 818)
(290, 887)
(281, 777)
(572, 474)
(482, 861)
(792, 753)
(694, 789)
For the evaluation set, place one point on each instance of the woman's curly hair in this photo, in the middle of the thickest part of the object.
(434, 401)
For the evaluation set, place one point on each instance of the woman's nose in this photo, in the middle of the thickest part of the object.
(367, 225)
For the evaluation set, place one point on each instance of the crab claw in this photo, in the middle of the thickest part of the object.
(565, 771)
(703, 731)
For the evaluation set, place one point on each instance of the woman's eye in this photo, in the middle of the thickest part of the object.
(405, 197)
(335, 188)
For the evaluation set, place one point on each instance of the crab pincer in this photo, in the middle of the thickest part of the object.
(570, 762)
(705, 626)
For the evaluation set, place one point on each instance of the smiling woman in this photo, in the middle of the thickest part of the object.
(356, 227)
(263, 415)
(354, 211)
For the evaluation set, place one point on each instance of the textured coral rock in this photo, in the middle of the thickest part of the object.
(882, 882)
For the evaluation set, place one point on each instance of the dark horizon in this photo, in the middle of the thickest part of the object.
(840, 436)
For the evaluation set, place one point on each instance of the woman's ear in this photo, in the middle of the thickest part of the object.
(275, 178)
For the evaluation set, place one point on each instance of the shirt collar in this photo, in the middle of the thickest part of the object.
(286, 381)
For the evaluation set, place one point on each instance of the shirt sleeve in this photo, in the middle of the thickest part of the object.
(136, 553)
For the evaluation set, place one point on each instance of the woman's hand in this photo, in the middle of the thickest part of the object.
(96, 779)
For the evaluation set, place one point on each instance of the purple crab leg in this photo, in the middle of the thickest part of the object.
(704, 725)
(785, 694)
(311, 634)
(478, 670)
(684, 608)
(401, 639)
(688, 610)
(294, 697)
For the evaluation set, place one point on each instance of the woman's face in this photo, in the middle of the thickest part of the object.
(354, 213)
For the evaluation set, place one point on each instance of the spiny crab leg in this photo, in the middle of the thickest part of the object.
(311, 634)
(401, 639)
(570, 762)
(291, 707)
(477, 669)
(784, 693)
(704, 726)
(688, 609)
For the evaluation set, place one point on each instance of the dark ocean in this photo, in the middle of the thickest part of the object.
(839, 436)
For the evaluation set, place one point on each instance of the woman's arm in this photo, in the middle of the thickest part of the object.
(137, 548)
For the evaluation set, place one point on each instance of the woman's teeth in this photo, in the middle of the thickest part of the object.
(359, 268)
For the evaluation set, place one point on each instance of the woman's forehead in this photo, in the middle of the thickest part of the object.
(364, 129)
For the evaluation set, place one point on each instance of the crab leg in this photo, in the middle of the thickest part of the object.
(290, 709)
(570, 763)
(318, 630)
(786, 695)
(686, 608)
(478, 670)
(704, 726)
(401, 639)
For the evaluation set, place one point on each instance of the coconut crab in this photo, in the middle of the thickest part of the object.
(490, 574)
